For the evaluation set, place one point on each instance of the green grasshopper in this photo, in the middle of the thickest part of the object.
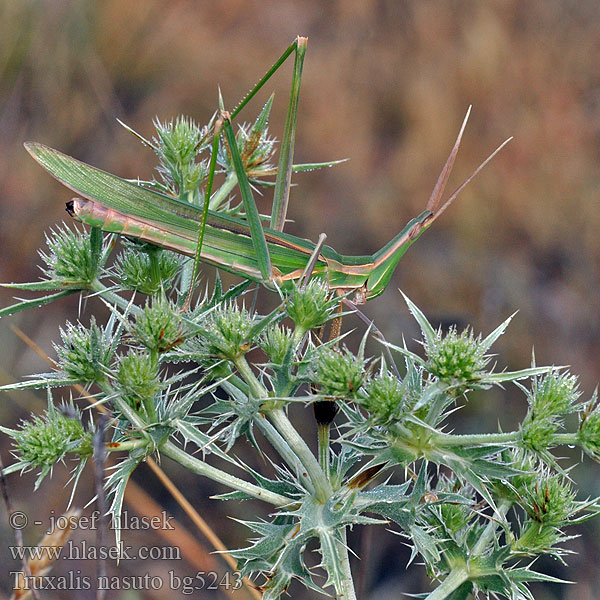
(240, 245)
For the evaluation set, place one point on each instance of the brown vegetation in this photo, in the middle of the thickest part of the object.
(386, 84)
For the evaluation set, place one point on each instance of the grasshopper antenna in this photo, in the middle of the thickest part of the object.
(466, 182)
(440, 185)
(438, 191)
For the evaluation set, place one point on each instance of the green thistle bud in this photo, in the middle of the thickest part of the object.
(550, 504)
(195, 349)
(138, 378)
(85, 354)
(228, 332)
(275, 343)
(536, 538)
(134, 271)
(311, 306)
(551, 501)
(339, 374)
(179, 140)
(383, 397)
(193, 175)
(589, 434)
(455, 516)
(554, 394)
(538, 432)
(589, 429)
(70, 257)
(456, 359)
(177, 144)
(159, 326)
(551, 397)
(256, 153)
(255, 146)
(47, 438)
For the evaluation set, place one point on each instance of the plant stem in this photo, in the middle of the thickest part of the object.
(235, 382)
(323, 432)
(126, 445)
(256, 388)
(349, 593)
(132, 416)
(193, 464)
(478, 439)
(281, 445)
(221, 194)
(490, 529)
(567, 439)
(322, 486)
(274, 437)
(111, 296)
(510, 438)
(201, 468)
(454, 580)
(278, 417)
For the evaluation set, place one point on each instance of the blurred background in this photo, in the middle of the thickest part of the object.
(386, 84)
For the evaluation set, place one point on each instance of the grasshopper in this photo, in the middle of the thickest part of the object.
(241, 245)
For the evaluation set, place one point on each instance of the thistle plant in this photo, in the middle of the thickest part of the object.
(476, 508)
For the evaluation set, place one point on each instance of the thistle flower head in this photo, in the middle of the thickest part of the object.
(310, 306)
(589, 427)
(228, 329)
(46, 439)
(456, 358)
(551, 500)
(133, 269)
(255, 146)
(69, 258)
(552, 396)
(138, 377)
(159, 326)
(383, 397)
(550, 504)
(85, 353)
(177, 144)
(339, 373)
(275, 343)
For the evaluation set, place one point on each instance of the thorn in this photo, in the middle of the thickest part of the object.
(137, 135)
